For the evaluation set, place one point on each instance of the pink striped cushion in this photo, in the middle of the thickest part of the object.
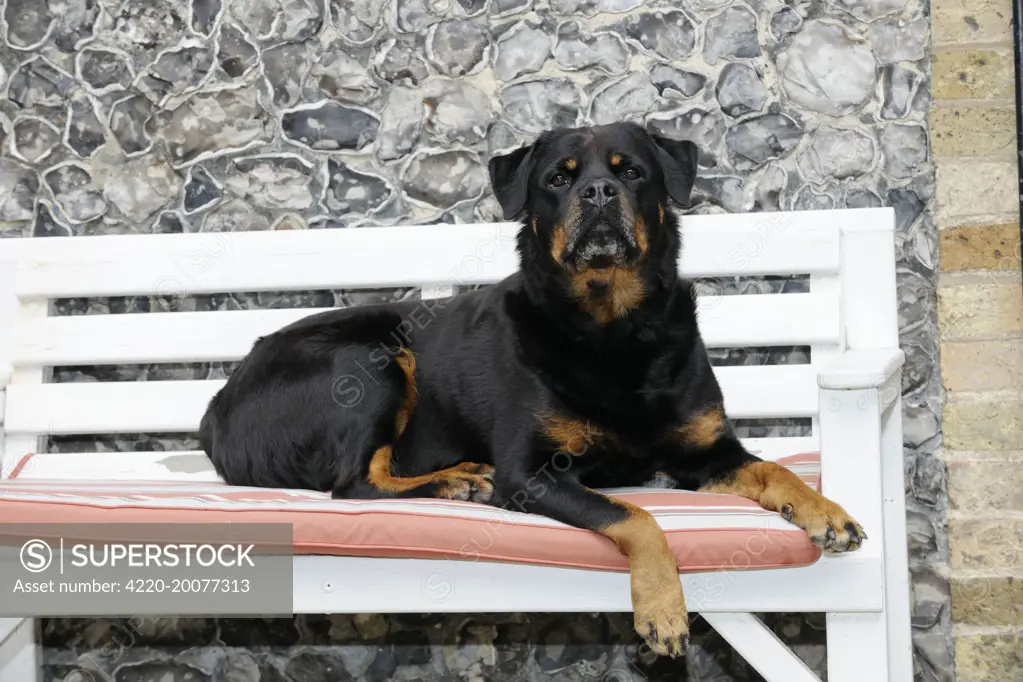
(705, 532)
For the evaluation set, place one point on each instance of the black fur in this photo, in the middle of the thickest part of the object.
(311, 403)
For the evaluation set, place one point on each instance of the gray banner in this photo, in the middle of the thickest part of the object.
(146, 569)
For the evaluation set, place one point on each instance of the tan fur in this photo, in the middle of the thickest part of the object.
(571, 164)
(658, 604)
(455, 482)
(660, 214)
(774, 487)
(559, 241)
(639, 231)
(616, 160)
(559, 237)
(571, 435)
(703, 429)
(407, 361)
(452, 482)
(623, 291)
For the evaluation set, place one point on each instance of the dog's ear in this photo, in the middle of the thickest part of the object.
(678, 163)
(509, 176)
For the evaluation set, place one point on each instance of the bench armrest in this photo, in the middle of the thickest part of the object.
(860, 369)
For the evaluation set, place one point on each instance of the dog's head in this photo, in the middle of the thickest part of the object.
(596, 199)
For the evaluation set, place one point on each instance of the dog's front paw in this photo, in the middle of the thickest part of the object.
(829, 526)
(662, 621)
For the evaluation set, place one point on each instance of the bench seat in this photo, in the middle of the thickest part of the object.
(706, 532)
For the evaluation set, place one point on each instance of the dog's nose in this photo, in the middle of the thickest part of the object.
(599, 192)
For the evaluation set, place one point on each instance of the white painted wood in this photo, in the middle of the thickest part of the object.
(194, 465)
(186, 465)
(770, 449)
(8, 325)
(369, 585)
(823, 354)
(725, 321)
(851, 464)
(8, 316)
(16, 447)
(8, 627)
(406, 256)
(177, 406)
(761, 648)
(858, 632)
(869, 304)
(862, 369)
(851, 476)
(19, 652)
(896, 551)
(18, 444)
(432, 291)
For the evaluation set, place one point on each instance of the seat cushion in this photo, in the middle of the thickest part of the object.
(705, 531)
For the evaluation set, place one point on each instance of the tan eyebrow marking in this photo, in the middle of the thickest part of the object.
(616, 159)
(571, 164)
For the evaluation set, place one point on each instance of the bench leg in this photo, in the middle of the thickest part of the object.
(897, 602)
(762, 649)
(19, 652)
(858, 648)
(862, 469)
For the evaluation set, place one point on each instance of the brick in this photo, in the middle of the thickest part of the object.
(980, 247)
(982, 365)
(973, 74)
(995, 424)
(987, 599)
(978, 306)
(985, 486)
(989, 658)
(985, 544)
(979, 192)
(956, 22)
(973, 131)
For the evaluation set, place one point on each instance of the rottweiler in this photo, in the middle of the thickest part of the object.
(591, 348)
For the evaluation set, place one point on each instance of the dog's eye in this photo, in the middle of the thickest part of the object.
(630, 174)
(558, 180)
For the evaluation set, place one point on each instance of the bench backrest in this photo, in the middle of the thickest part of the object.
(847, 254)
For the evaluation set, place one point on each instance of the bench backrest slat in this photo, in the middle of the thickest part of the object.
(768, 320)
(381, 257)
(177, 406)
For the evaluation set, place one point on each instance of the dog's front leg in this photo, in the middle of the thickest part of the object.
(659, 608)
(706, 444)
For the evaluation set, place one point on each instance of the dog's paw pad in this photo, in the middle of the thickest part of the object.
(666, 635)
(467, 487)
(837, 535)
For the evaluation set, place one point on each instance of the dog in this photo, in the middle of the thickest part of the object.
(591, 348)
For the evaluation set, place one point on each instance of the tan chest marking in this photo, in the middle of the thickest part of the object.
(608, 293)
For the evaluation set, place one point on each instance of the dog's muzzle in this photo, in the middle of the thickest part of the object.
(602, 234)
(599, 245)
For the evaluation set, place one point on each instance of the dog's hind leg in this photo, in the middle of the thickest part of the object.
(465, 481)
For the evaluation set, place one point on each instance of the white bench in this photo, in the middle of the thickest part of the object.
(849, 391)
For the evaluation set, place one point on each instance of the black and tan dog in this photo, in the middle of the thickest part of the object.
(592, 348)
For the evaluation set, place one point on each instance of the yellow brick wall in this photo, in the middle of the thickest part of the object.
(980, 309)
